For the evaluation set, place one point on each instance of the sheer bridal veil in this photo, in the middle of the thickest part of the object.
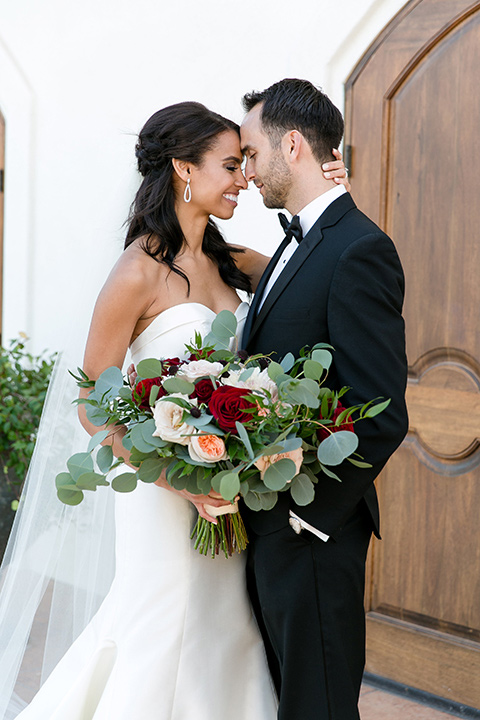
(59, 561)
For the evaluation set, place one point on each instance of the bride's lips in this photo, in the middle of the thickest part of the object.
(231, 198)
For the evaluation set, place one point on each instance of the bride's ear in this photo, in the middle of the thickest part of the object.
(182, 169)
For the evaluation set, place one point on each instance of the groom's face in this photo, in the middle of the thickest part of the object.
(265, 165)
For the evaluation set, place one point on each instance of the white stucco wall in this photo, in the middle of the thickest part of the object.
(78, 80)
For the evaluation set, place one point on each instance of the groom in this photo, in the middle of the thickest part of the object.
(336, 278)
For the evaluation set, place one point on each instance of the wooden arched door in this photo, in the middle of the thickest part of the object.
(413, 124)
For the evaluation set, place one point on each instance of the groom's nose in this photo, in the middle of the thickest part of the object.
(249, 170)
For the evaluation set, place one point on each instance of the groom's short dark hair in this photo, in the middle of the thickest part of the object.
(292, 104)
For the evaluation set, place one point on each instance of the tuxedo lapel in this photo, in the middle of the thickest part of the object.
(330, 217)
(260, 289)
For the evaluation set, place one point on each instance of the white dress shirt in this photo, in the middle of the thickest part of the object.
(308, 216)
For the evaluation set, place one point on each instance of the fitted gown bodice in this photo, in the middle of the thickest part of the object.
(175, 638)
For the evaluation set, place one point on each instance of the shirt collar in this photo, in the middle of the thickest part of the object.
(311, 212)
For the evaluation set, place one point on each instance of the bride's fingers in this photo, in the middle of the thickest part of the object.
(335, 170)
(132, 374)
(204, 514)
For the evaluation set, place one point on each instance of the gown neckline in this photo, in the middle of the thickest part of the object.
(175, 307)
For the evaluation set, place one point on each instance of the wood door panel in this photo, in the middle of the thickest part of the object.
(413, 119)
(434, 662)
(428, 566)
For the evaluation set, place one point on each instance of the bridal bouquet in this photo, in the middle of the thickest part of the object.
(242, 426)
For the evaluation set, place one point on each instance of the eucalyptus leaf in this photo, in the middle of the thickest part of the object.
(221, 355)
(125, 483)
(229, 486)
(148, 428)
(216, 479)
(138, 439)
(178, 385)
(64, 478)
(274, 370)
(127, 442)
(312, 369)
(287, 362)
(199, 422)
(96, 415)
(225, 325)
(80, 463)
(265, 501)
(302, 489)
(70, 495)
(104, 458)
(209, 429)
(90, 481)
(337, 447)
(279, 474)
(125, 393)
(109, 382)
(302, 392)
(97, 439)
(150, 368)
(291, 443)
(151, 469)
(323, 357)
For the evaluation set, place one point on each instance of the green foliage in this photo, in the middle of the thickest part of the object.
(24, 380)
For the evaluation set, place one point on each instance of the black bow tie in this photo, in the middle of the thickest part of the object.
(293, 228)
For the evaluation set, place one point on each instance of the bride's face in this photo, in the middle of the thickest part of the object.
(216, 183)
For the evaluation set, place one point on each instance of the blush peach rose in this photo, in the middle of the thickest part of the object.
(207, 448)
(264, 462)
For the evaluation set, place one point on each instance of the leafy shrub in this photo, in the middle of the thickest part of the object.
(23, 385)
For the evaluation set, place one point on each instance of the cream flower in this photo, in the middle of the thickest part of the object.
(169, 420)
(259, 381)
(264, 462)
(200, 368)
(207, 448)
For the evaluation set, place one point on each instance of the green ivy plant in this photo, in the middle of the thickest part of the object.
(24, 379)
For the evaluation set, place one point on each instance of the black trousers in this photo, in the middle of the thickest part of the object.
(308, 596)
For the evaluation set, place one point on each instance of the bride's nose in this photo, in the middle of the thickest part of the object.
(241, 182)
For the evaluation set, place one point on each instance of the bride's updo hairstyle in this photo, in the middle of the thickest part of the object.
(186, 131)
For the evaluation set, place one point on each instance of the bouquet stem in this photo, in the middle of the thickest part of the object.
(228, 535)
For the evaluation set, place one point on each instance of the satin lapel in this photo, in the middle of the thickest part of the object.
(330, 217)
(259, 291)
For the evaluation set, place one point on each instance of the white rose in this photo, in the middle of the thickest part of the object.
(169, 420)
(200, 368)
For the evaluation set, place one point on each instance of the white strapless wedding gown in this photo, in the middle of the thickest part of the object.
(175, 638)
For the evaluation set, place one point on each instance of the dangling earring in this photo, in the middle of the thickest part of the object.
(187, 195)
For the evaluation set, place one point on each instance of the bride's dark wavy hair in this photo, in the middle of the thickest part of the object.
(186, 131)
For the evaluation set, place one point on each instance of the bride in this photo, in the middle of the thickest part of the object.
(172, 636)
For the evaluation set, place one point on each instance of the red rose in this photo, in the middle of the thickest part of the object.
(322, 433)
(203, 390)
(141, 391)
(227, 405)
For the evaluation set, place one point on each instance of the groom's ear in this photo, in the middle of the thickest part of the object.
(292, 143)
(182, 168)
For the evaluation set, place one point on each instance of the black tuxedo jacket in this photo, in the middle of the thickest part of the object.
(344, 285)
